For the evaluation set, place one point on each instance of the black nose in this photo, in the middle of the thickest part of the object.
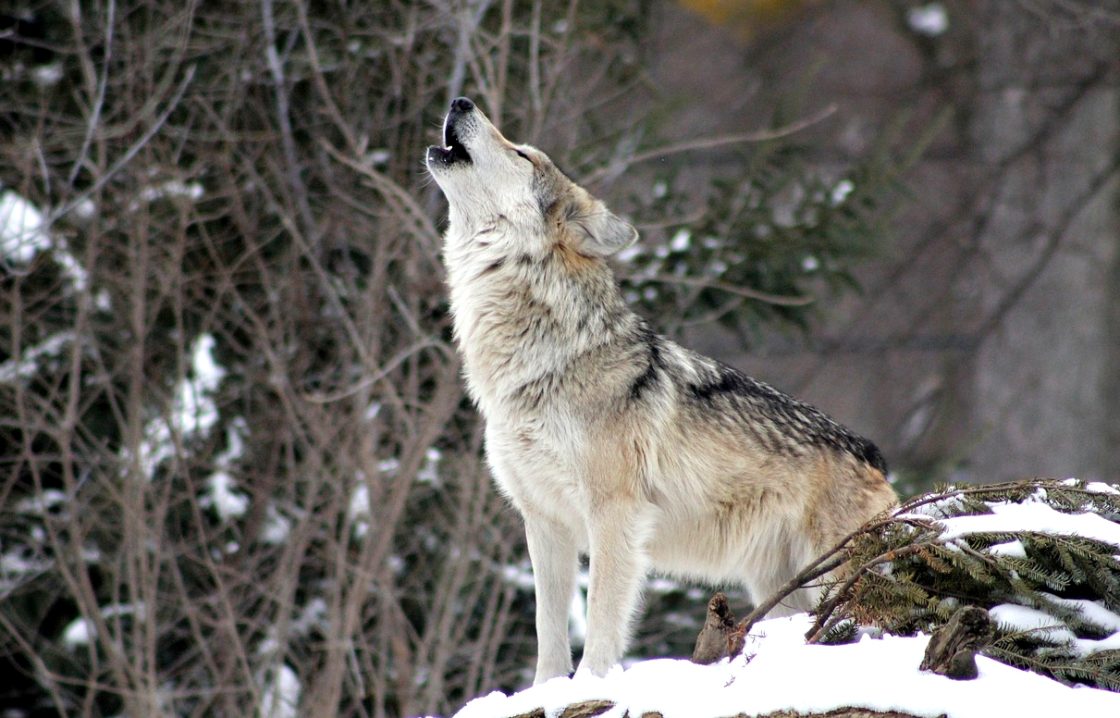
(461, 104)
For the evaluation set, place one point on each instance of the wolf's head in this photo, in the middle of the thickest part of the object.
(489, 180)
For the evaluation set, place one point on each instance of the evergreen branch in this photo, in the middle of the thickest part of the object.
(929, 578)
(825, 611)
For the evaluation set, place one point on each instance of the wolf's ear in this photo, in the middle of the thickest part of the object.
(598, 229)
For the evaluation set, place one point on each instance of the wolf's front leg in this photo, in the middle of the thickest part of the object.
(552, 550)
(618, 566)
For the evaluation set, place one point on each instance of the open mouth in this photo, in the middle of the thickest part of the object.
(457, 152)
(453, 150)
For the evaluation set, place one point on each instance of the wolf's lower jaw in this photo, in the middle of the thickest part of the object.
(448, 156)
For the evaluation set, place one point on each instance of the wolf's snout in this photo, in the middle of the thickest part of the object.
(461, 105)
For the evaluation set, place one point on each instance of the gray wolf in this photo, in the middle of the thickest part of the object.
(610, 439)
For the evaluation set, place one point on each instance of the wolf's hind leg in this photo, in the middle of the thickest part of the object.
(553, 553)
(618, 567)
(787, 556)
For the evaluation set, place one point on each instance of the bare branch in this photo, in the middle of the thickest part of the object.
(706, 143)
(744, 292)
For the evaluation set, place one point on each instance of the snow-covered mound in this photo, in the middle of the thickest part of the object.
(1042, 557)
(779, 671)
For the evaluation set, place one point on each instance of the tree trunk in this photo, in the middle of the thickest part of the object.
(1047, 121)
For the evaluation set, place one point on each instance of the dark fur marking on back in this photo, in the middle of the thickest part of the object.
(788, 416)
(655, 364)
(869, 454)
(727, 381)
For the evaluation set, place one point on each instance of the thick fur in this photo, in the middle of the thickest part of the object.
(610, 439)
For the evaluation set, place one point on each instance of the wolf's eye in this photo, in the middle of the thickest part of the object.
(522, 155)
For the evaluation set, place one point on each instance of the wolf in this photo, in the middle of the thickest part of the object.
(609, 439)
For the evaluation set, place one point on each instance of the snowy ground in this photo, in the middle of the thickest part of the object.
(778, 671)
(785, 673)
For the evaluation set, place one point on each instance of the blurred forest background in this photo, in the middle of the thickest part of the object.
(238, 474)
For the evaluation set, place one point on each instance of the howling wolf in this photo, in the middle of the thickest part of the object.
(610, 439)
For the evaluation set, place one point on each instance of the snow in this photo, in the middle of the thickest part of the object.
(173, 188)
(778, 671)
(223, 497)
(77, 633)
(940, 509)
(1030, 619)
(1014, 549)
(193, 411)
(1089, 645)
(1033, 516)
(23, 234)
(221, 488)
(276, 526)
(429, 472)
(17, 566)
(716, 268)
(311, 616)
(358, 509)
(41, 503)
(630, 253)
(47, 75)
(681, 241)
(195, 407)
(841, 191)
(519, 575)
(71, 267)
(577, 619)
(28, 362)
(280, 698)
(22, 229)
(81, 631)
(1022, 618)
(1097, 487)
(930, 20)
(1091, 612)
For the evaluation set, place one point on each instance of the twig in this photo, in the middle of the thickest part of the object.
(824, 613)
(283, 118)
(389, 366)
(130, 152)
(421, 225)
(707, 143)
(321, 83)
(824, 563)
(778, 299)
(99, 100)
(468, 23)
